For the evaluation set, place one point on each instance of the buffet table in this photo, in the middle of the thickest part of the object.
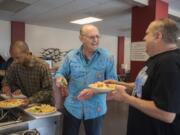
(16, 121)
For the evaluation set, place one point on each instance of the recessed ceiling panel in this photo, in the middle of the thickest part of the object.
(12, 5)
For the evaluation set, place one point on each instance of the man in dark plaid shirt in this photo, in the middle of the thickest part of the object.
(28, 75)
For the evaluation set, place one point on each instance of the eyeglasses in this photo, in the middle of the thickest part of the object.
(92, 37)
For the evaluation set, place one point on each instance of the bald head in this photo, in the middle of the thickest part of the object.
(20, 52)
(86, 28)
(20, 45)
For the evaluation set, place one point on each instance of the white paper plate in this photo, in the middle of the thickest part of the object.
(5, 96)
(100, 90)
(13, 96)
(19, 96)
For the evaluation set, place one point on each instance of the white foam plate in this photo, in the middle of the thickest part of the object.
(19, 96)
(100, 90)
(5, 96)
(13, 96)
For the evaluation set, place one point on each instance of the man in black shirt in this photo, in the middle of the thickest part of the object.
(155, 103)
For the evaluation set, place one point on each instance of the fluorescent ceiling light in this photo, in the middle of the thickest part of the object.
(86, 20)
(178, 38)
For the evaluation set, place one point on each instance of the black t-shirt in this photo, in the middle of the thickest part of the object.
(162, 85)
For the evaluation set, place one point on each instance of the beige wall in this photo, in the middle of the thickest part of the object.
(39, 37)
(5, 38)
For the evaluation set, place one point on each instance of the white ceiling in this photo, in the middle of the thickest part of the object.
(58, 13)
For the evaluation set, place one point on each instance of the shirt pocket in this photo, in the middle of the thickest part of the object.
(99, 65)
(77, 71)
(99, 70)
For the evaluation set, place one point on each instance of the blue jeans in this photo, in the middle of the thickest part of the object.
(71, 125)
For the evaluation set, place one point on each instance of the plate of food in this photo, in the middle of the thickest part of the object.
(101, 87)
(11, 103)
(41, 109)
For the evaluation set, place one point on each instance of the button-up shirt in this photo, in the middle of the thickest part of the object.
(80, 73)
(34, 81)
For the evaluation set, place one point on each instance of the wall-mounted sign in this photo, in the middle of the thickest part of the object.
(138, 51)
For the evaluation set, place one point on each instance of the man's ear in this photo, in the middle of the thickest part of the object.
(158, 36)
